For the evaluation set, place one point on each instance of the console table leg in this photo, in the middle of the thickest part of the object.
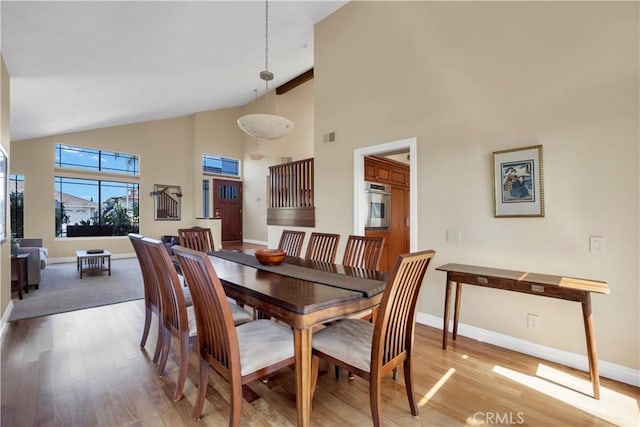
(456, 313)
(445, 327)
(591, 345)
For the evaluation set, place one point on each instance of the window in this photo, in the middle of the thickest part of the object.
(206, 209)
(16, 199)
(90, 159)
(220, 165)
(89, 207)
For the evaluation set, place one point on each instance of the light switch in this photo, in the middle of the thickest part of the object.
(454, 236)
(596, 243)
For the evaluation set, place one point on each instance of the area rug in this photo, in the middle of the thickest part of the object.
(62, 290)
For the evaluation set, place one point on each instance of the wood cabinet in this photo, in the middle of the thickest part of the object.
(385, 171)
(397, 237)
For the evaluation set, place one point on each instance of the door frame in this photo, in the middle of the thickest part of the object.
(358, 184)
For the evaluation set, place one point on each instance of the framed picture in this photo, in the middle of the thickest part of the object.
(4, 200)
(167, 202)
(517, 182)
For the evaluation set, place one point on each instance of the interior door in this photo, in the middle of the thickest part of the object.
(227, 201)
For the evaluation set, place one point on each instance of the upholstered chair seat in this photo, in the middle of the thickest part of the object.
(255, 337)
(348, 340)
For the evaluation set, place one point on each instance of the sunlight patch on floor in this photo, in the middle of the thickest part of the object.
(437, 386)
(613, 407)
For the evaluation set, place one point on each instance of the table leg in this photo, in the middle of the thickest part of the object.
(302, 349)
(456, 313)
(109, 262)
(445, 326)
(591, 345)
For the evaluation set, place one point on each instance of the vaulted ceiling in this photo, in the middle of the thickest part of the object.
(85, 65)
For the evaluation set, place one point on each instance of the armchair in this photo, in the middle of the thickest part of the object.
(37, 259)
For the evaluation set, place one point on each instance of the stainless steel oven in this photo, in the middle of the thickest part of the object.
(378, 205)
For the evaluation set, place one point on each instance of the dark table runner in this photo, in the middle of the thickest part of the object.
(367, 287)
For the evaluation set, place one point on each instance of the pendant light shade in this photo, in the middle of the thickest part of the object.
(265, 125)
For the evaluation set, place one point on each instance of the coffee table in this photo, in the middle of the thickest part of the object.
(89, 262)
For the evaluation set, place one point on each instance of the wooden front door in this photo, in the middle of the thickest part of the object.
(227, 201)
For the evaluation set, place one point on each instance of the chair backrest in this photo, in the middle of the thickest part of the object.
(217, 337)
(322, 247)
(363, 252)
(291, 242)
(151, 296)
(395, 322)
(172, 302)
(196, 238)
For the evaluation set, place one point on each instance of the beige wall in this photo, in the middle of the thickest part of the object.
(468, 79)
(5, 247)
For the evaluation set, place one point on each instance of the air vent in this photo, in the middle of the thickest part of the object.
(286, 160)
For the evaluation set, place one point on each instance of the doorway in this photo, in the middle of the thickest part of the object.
(227, 199)
(407, 147)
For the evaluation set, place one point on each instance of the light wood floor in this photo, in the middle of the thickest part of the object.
(85, 368)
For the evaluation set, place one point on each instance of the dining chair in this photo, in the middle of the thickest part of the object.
(322, 247)
(178, 320)
(371, 351)
(151, 292)
(363, 252)
(291, 242)
(238, 354)
(196, 238)
(151, 296)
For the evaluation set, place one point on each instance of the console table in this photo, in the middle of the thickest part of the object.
(545, 285)
(20, 273)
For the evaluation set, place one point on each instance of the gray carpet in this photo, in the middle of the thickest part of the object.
(61, 289)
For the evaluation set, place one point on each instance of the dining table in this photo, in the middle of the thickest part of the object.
(301, 293)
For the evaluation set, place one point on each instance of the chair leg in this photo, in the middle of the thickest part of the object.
(236, 403)
(315, 366)
(408, 382)
(395, 374)
(184, 367)
(202, 389)
(147, 325)
(159, 342)
(375, 400)
(166, 343)
(337, 370)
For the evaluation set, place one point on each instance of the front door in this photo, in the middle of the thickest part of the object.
(227, 201)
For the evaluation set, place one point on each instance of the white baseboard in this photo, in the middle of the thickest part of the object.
(5, 318)
(255, 242)
(573, 360)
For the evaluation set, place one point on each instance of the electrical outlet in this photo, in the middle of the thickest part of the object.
(533, 321)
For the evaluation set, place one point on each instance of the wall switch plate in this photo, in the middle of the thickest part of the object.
(596, 243)
(454, 236)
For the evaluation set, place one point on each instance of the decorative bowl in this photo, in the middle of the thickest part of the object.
(270, 256)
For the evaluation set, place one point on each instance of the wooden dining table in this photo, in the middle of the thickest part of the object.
(303, 294)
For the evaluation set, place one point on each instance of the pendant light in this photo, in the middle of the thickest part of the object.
(265, 126)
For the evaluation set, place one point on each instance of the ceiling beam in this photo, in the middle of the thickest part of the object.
(294, 82)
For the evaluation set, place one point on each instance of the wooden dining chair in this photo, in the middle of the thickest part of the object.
(178, 320)
(291, 242)
(196, 238)
(371, 351)
(151, 295)
(238, 354)
(322, 247)
(363, 252)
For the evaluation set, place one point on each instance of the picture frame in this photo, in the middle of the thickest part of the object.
(518, 182)
(167, 202)
(4, 199)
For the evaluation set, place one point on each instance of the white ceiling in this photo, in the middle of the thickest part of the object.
(85, 65)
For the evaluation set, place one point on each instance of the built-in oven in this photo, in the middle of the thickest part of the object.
(378, 205)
